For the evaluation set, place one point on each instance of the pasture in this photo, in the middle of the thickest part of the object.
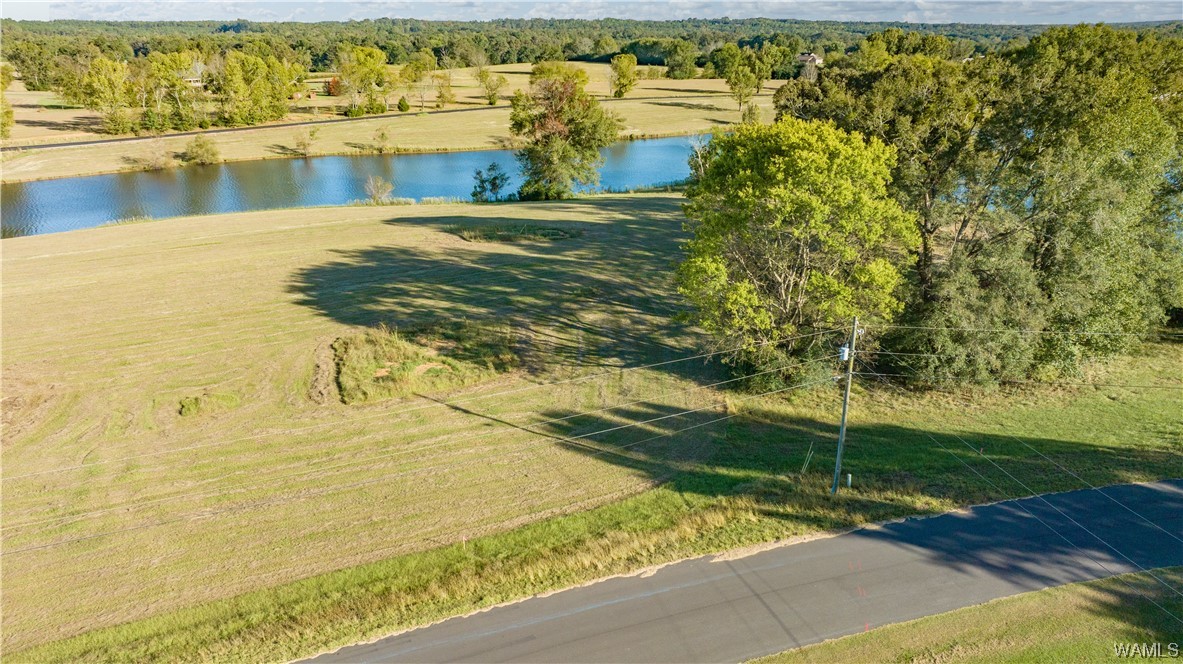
(657, 107)
(177, 457)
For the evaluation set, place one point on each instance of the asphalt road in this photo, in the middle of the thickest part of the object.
(708, 610)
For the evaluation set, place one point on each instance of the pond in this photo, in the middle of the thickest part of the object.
(51, 206)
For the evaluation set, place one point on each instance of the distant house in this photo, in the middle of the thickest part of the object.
(811, 58)
(194, 76)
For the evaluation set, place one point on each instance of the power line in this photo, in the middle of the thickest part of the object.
(1044, 382)
(435, 404)
(1027, 331)
(1099, 490)
(568, 439)
(495, 480)
(1020, 504)
(79, 516)
(1067, 516)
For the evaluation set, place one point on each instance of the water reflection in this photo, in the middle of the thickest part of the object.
(51, 206)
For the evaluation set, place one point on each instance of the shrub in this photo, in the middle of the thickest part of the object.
(378, 189)
(201, 150)
(304, 140)
(403, 104)
(333, 87)
(489, 183)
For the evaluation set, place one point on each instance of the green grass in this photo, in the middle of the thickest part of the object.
(1074, 623)
(655, 108)
(514, 233)
(206, 403)
(379, 363)
(447, 508)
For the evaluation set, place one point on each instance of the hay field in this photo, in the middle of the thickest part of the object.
(657, 107)
(109, 332)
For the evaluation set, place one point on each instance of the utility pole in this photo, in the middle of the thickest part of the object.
(848, 355)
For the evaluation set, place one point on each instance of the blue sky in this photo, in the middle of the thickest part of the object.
(930, 11)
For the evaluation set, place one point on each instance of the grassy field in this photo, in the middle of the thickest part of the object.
(272, 520)
(1075, 623)
(657, 107)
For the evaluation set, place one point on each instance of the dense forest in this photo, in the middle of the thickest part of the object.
(315, 45)
(159, 76)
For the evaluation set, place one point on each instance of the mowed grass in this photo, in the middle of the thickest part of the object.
(658, 107)
(1079, 622)
(287, 524)
(109, 333)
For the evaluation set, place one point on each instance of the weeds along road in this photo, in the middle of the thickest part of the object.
(732, 608)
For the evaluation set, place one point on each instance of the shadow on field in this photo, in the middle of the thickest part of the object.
(687, 104)
(756, 458)
(601, 299)
(89, 124)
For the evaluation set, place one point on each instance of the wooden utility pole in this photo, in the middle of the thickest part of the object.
(848, 355)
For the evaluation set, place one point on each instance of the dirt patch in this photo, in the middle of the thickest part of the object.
(323, 388)
(25, 403)
(425, 367)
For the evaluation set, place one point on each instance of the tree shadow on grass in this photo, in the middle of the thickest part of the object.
(285, 150)
(86, 123)
(601, 299)
(755, 459)
(687, 104)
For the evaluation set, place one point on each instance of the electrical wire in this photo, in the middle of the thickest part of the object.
(1026, 331)
(1074, 521)
(1099, 490)
(1057, 533)
(80, 516)
(568, 439)
(436, 404)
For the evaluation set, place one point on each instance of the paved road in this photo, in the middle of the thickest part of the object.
(731, 610)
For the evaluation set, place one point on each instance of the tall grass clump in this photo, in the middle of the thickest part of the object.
(381, 363)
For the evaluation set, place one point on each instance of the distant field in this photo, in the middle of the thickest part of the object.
(655, 107)
(173, 439)
(1079, 622)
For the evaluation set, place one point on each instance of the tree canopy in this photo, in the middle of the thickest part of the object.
(564, 128)
(793, 229)
(1043, 181)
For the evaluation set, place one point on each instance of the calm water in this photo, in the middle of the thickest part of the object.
(51, 206)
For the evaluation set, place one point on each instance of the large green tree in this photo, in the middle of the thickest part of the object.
(363, 71)
(793, 229)
(564, 128)
(105, 89)
(1042, 180)
(253, 89)
(6, 115)
(624, 74)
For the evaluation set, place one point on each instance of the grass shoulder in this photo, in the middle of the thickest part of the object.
(1080, 622)
(754, 488)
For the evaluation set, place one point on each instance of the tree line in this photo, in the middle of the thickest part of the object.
(965, 201)
(155, 76)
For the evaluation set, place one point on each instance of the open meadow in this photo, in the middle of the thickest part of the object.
(201, 412)
(657, 107)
